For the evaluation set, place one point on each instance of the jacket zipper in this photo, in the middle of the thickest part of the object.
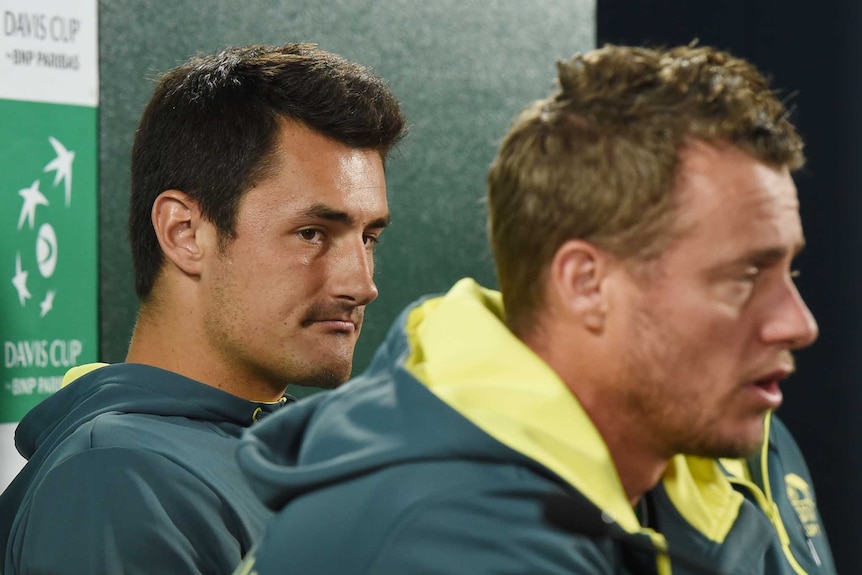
(767, 504)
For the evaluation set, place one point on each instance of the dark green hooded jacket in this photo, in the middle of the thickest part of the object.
(460, 452)
(131, 469)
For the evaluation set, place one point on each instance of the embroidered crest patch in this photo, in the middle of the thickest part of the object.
(799, 494)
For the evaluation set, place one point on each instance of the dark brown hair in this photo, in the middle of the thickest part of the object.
(213, 122)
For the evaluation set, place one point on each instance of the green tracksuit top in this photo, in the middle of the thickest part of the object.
(453, 451)
(131, 470)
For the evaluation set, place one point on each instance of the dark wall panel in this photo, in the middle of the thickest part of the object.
(811, 51)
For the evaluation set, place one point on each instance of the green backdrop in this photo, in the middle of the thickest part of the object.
(461, 68)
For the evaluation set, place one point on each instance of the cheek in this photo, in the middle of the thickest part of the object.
(700, 319)
(687, 345)
(269, 271)
(708, 367)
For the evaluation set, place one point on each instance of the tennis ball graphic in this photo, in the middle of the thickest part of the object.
(46, 250)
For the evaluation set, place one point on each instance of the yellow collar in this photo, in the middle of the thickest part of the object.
(464, 354)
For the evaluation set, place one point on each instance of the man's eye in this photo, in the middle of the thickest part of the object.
(750, 274)
(369, 240)
(309, 235)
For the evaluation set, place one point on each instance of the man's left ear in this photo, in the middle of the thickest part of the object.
(578, 273)
(185, 236)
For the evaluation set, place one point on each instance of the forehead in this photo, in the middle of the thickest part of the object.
(308, 169)
(734, 201)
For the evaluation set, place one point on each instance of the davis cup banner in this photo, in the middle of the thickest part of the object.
(49, 90)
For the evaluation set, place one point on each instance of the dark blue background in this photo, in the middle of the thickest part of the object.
(813, 51)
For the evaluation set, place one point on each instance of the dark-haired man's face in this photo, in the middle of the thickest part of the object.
(286, 297)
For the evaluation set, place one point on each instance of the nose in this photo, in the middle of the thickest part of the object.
(791, 323)
(353, 279)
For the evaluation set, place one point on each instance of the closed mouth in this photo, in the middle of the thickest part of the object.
(334, 324)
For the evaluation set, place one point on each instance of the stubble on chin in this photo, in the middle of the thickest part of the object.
(325, 371)
(322, 371)
(717, 441)
(676, 425)
(328, 379)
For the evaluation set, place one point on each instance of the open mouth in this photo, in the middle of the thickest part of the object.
(769, 390)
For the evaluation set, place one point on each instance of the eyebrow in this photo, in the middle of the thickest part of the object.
(773, 255)
(329, 213)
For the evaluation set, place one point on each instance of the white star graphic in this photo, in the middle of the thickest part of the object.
(47, 303)
(32, 198)
(20, 281)
(62, 165)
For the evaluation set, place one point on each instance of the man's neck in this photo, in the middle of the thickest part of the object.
(639, 467)
(160, 343)
(640, 464)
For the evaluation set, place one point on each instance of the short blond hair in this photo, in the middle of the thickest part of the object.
(597, 160)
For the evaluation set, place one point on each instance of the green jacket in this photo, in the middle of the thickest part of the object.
(131, 470)
(450, 453)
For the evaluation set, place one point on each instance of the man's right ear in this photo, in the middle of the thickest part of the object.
(578, 274)
(184, 234)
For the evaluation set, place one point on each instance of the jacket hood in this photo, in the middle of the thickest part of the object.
(451, 381)
(378, 419)
(128, 388)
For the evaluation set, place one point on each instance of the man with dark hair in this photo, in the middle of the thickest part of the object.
(610, 411)
(258, 194)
